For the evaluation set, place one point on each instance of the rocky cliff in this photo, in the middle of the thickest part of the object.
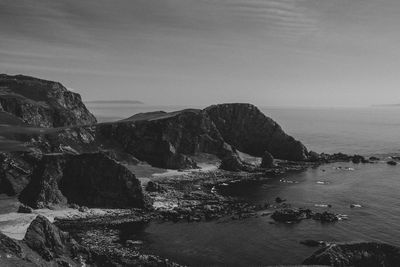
(169, 139)
(92, 180)
(43, 245)
(165, 139)
(41, 103)
(245, 127)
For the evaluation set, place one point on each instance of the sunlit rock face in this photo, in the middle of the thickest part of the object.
(42, 103)
(165, 139)
(246, 128)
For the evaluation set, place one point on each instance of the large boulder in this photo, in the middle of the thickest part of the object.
(267, 160)
(91, 179)
(41, 103)
(358, 255)
(232, 162)
(245, 127)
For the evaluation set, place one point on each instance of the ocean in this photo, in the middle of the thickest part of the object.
(256, 241)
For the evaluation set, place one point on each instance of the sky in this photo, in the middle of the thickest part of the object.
(303, 53)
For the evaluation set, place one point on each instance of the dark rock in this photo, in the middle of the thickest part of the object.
(358, 255)
(93, 180)
(267, 160)
(313, 156)
(325, 217)
(232, 162)
(24, 209)
(392, 162)
(279, 200)
(166, 140)
(42, 103)
(43, 245)
(15, 169)
(337, 157)
(155, 187)
(49, 241)
(245, 127)
(287, 215)
(359, 159)
(374, 158)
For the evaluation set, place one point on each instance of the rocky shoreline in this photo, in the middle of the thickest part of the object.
(55, 155)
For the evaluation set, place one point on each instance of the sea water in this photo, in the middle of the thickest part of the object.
(372, 188)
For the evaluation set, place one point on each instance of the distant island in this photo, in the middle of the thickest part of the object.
(387, 105)
(131, 102)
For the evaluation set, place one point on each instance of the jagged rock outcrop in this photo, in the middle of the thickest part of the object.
(91, 179)
(246, 128)
(15, 170)
(232, 162)
(169, 139)
(50, 242)
(41, 103)
(44, 245)
(357, 255)
(166, 139)
(267, 161)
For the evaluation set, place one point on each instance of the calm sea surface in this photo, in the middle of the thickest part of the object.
(250, 242)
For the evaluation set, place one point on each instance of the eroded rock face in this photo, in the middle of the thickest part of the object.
(165, 139)
(42, 103)
(50, 242)
(44, 245)
(92, 180)
(358, 255)
(15, 170)
(246, 128)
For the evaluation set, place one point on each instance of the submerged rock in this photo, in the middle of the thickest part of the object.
(359, 159)
(287, 215)
(325, 217)
(91, 179)
(392, 162)
(42, 103)
(358, 255)
(374, 158)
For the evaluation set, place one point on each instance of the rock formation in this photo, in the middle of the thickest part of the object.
(91, 179)
(246, 128)
(358, 255)
(267, 160)
(165, 139)
(42, 103)
(15, 169)
(44, 245)
(169, 139)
